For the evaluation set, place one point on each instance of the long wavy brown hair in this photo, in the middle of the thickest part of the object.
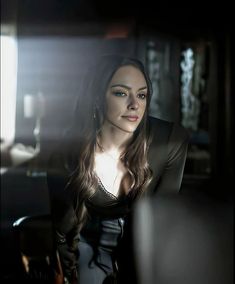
(88, 119)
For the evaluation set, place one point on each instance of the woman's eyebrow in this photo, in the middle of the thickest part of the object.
(127, 87)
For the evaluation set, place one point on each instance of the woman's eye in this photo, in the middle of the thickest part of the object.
(119, 94)
(142, 96)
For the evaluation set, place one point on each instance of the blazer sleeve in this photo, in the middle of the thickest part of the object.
(171, 178)
(63, 216)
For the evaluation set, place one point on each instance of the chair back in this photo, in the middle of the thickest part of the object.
(37, 251)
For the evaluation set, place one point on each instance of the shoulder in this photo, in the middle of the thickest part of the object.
(166, 131)
(58, 172)
(62, 160)
(58, 177)
(56, 163)
(158, 124)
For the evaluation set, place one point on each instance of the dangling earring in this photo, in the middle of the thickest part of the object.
(96, 118)
(95, 110)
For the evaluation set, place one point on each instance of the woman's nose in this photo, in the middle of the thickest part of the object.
(133, 103)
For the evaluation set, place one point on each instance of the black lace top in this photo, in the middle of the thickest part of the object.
(106, 204)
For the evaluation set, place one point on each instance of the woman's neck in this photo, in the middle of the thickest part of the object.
(113, 139)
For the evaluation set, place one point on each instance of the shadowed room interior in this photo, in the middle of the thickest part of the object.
(45, 49)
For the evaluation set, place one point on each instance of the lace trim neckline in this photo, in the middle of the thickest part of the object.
(104, 189)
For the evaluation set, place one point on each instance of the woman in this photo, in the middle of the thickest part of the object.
(113, 155)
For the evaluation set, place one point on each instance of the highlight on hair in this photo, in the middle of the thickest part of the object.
(88, 120)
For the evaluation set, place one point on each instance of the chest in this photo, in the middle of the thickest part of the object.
(111, 174)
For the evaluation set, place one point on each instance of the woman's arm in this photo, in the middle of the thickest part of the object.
(63, 217)
(171, 178)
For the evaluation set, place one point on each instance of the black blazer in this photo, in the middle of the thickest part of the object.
(166, 156)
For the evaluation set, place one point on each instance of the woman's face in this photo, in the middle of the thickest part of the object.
(126, 98)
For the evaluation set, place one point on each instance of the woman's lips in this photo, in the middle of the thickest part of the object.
(132, 118)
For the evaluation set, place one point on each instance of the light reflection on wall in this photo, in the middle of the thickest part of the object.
(190, 103)
(8, 87)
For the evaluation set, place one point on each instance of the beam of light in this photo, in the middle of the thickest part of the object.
(8, 87)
